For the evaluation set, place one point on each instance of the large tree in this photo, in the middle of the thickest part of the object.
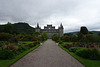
(44, 35)
(84, 30)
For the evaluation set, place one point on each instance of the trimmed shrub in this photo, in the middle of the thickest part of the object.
(88, 54)
(6, 54)
(60, 42)
(73, 49)
(68, 46)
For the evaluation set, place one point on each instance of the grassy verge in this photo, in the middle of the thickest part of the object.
(86, 62)
(7, 63)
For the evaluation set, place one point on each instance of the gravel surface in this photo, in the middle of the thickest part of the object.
(48, 55)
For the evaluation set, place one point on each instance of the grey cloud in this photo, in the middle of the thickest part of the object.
(72, 13)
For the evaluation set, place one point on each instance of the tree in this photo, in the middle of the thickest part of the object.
(9, 28)
(55, 37)
(84, 30)
(74, 38)
(44, 35)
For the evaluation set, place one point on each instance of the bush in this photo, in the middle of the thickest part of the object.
(60, 42)
(68, 46)
(1, 44)
(22, 48)
(55, 37)
(88, 54)
(30, 45)
(5, 36)
(73, 49)
(95, 54)
(6, 54)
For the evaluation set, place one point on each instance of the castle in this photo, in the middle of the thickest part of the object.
(50, 30)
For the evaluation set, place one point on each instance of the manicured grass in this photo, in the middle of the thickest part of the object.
(27, 42)
(86, 62)
(67, 42)
(7, 63)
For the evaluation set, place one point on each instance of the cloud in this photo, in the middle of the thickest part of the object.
(71, 13)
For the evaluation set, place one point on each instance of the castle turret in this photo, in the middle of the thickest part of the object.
(61, 30)
(37, 29)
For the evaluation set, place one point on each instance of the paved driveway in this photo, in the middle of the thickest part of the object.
(48, 55)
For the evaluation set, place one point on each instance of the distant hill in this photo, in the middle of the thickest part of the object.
(21, 28)
(94, 32)
(24, 27)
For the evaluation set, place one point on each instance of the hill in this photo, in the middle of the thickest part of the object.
(94, 32)
(19, 27)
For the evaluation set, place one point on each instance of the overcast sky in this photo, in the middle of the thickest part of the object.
(71, 13)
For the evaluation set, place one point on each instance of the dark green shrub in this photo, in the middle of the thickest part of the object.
(73, 49)
(5, 36)
(22, 48)
(36, 42)
(2, 43)
(6, 54)
(30, 45)
(85, 53)
(60, 42)
(55, 37)
(95, 54)
(88, 54)
(68, 46)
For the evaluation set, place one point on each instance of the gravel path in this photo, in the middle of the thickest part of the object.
(48, 55)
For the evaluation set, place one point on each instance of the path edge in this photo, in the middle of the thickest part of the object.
(28, 51)
(70, 54)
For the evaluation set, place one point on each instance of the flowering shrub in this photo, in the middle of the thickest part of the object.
(88, 54)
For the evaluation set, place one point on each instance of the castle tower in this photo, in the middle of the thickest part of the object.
(37, 29)
(61, 30)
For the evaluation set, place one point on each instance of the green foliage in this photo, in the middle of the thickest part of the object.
(67, 37)
(93, 38)
(17, 28)
(13, 39)
(6, 54)
(22, 48)
(36, 36)
(88, 54)
(67, 46)
(9, 28)
(84, 30)
(74, 38)
(44, 36)
(2, 43)
(23, 28)
(5, 36)
(55, 37)
(60, 42)
(27, 38)
(73, 49)
(7, 63)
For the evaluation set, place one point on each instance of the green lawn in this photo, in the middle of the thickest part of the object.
(86, 62)
(7, 63)
(27, 42)
(67, 42)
